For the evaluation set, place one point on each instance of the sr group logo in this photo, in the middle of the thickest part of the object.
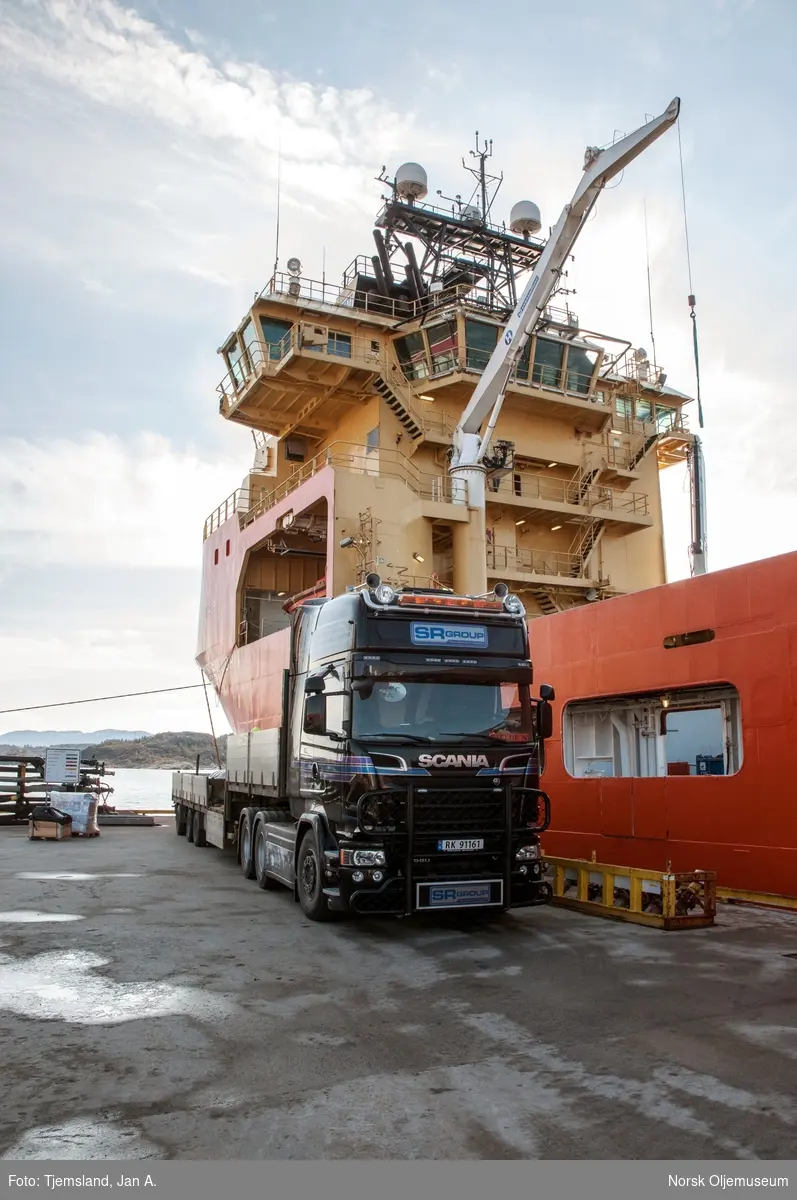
(427, 634)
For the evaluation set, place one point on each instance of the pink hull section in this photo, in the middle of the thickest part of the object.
(248, 679)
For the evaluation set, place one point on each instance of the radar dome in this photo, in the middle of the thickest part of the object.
(471, 214)
(525, 217)
(411, 181)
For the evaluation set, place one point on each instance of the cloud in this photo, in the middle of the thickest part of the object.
(144, 170)
(99, 500)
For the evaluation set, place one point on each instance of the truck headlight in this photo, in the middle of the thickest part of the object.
(514, 605)
(362, 858)
(384, 594)
(527, 853)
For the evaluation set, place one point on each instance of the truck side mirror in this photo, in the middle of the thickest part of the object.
(545, 719)
(315, 714)
(313, 684)
(547, 692)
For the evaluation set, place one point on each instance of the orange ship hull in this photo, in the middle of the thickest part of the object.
(744, 825)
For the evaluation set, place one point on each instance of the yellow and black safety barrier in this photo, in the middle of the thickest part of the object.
(665, 899)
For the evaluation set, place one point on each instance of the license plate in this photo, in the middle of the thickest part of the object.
(461, 844)
(460, 894)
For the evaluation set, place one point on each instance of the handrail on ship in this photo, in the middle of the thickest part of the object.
(392, 464)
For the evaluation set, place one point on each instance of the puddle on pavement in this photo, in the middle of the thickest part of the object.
(34, 918)
(83, 1138)
(74, 876)
(65, 986)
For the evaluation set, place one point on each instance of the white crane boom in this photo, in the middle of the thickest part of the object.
(599, 167)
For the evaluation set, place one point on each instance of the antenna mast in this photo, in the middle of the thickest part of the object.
(650, 294)
(481, 176)
(279, 188)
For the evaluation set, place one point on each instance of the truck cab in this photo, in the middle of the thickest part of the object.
(414, 752)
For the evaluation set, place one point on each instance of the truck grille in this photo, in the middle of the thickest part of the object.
(459, 866)
(459, 812)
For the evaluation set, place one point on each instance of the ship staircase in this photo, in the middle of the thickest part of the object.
(647, 444)
(400, 407)
(545, 601)
(584, 480)
(584, 545)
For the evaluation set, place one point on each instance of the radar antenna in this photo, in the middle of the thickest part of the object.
(483, 180)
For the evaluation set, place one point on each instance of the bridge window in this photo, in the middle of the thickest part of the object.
(480, 341)
(236, 362)
(249, 339)
(339, 344)
(580, 368)
(547, 371)
(443, 346)
(411, 351)
(524, 362)
(687, 731)
(277, 336)
(667, 418)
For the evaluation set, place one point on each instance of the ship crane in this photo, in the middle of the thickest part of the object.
(467, 466)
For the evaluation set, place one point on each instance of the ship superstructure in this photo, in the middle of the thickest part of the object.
(353, 393)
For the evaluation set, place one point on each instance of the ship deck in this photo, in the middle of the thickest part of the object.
(155, 1004)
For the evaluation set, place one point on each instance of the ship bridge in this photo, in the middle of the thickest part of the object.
(362, 383)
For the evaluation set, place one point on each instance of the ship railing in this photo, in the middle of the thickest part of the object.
(341, 456)
(438, 422)
(259, 358)
(529, 485)
(534, 562)
(539, 375)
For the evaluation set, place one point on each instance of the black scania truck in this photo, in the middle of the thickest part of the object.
(404, 777)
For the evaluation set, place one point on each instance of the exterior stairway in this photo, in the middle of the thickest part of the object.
(546, 603)
(584, 545)
(647, 444)
(583, 482)
(399, 406)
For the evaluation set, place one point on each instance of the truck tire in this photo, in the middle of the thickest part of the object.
(189, 824)
(310, 880)
(260, 856)
(199, 830)
(246, 854)
(179, 819)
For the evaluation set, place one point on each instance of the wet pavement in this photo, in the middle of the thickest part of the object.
(153, 1003)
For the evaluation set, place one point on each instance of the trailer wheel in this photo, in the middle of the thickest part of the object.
(247, 857)
(179, 819)
(200, 838)
(310, 880)
(190, 817)
(261, 858)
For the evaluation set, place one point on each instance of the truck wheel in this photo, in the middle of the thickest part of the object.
(261, 858)
(247, 847)
(310, 880)
(199, 830)
(179, 819)
(189, 824)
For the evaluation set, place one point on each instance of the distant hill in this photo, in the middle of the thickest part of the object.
(175, 751)
(68, 737)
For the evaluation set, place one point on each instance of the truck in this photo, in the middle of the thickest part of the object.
(403, 777)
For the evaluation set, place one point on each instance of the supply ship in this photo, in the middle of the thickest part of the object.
(442, 419)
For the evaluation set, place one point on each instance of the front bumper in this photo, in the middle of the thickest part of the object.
(433, 893)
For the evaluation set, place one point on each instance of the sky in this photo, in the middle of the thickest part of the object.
(137, 219)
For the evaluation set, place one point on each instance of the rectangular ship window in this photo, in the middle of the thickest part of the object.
(685, 731)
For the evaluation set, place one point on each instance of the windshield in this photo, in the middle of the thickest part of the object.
(499, 712)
